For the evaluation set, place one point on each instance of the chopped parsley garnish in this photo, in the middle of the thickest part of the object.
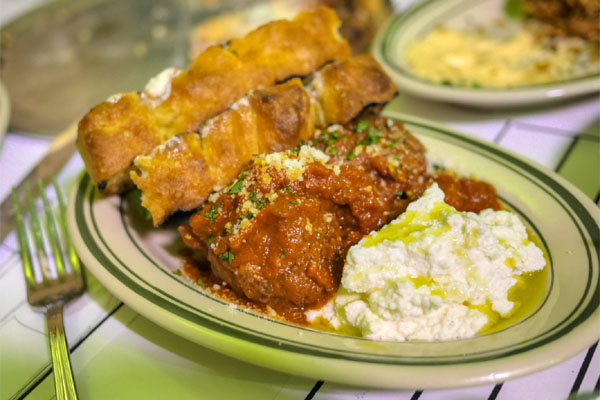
(213, 213)
(372, 137)
(237, 186)
(250, 215)
(350, 156)
(362, 125)
(210, 238)
(334, 135)
(261, 203)
(253, 197)
(177, 272)
(282, 255)
(394, 142)
(333, 151)
(401, 194)
(227, 256)
(200, 282)
(294, 202)
(289, 189)
(302, 142)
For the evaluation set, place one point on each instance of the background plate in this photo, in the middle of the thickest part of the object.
(135, 262)
(401, 30)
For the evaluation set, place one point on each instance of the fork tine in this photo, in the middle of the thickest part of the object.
(23, 242)
(73, 258)
(37, 236)
(56, 290)
(52, 232)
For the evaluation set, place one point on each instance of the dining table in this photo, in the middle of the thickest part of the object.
(117, 353)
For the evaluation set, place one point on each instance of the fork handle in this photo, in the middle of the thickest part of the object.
(61, 362)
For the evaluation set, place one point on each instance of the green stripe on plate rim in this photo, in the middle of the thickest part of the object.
(538, 233)
(386, 48)
(212, 323)
(173, 277)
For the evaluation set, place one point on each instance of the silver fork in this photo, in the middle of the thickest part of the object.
(52, 278)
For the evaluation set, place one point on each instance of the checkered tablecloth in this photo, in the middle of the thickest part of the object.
(118, 354)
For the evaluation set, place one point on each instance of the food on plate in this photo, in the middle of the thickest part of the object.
(360, 20)
(557, 41)
(434, 273)
(567, 17)
(184, 170)
(478, 58)
(290, 173)
(342, 89)
(113, 133)
(278, 235)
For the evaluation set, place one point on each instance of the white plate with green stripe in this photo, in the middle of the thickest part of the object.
(415, 23)
(136, 264)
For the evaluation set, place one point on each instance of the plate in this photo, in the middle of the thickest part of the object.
(415, 23)
(136, 263)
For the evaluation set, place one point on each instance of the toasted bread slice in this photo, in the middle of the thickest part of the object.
(113, 133)
(180, 174)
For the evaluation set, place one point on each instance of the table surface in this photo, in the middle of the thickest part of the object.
(118, 354)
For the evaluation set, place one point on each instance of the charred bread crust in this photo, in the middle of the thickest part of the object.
(362, 82)
(183, 172)
(110, 136)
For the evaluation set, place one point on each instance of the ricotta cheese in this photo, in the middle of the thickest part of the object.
(432, 274)
(158, 88)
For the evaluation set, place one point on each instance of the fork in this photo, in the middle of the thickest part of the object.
(52, 278)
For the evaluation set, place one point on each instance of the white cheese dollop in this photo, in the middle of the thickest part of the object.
(158, 88)
(429, 274)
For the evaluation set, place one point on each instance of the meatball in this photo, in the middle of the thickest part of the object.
(280, 233)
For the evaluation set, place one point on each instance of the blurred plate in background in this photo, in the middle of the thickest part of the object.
(66, 56)
(404, 29)
(63, 58)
